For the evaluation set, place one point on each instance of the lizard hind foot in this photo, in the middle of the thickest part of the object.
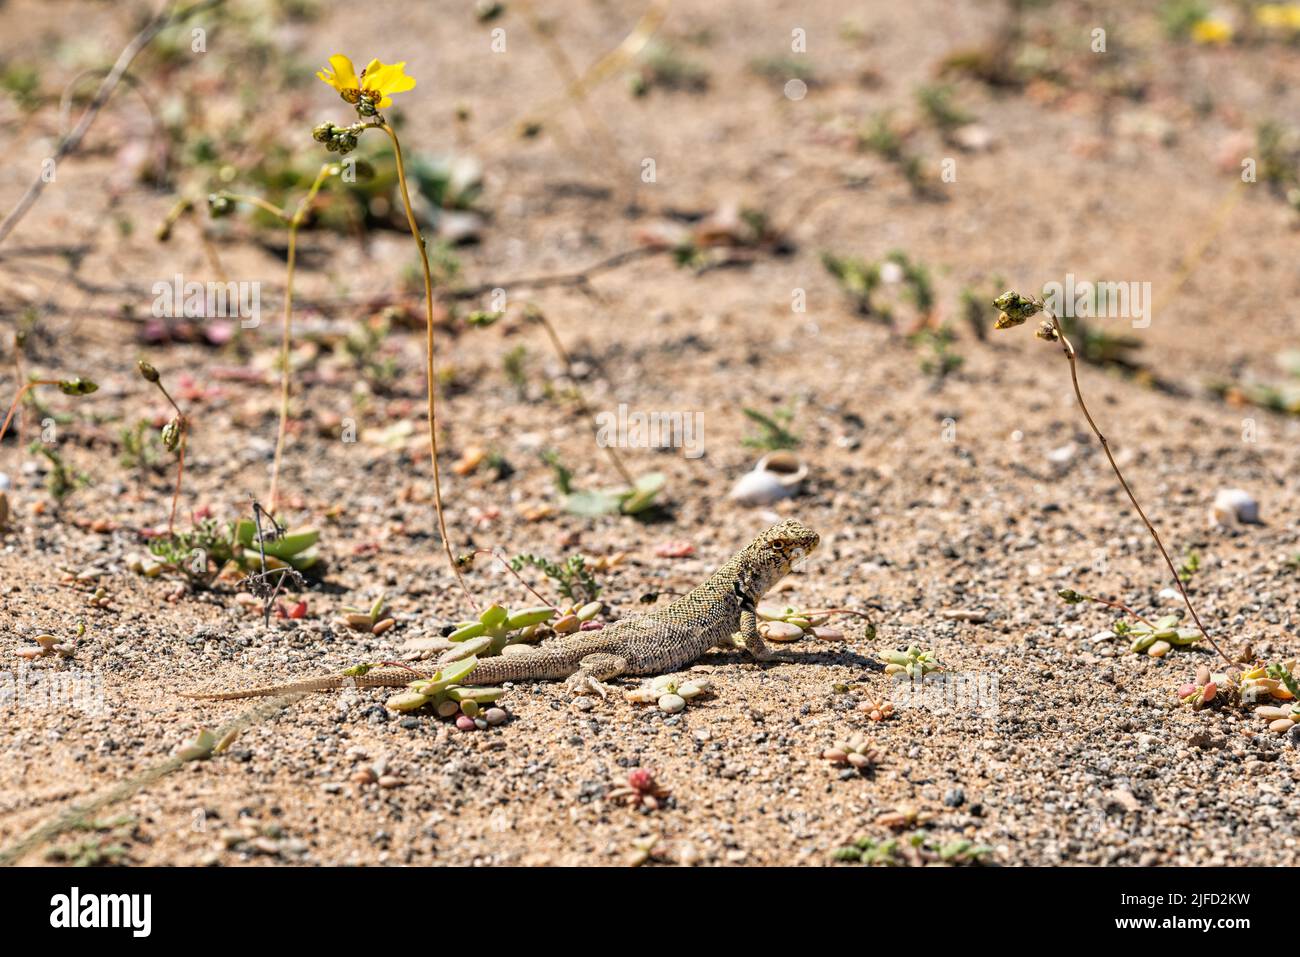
(593, 670)
(584, 684)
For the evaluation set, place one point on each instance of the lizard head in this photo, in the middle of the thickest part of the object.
(784, 545)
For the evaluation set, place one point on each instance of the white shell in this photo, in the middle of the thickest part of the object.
(1232, 506)
(777, 475)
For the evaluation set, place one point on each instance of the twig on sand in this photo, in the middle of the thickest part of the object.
(68, 144)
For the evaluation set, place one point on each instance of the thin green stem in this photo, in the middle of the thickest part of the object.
(428, 355)
(285, 327)
(257, 201)
(816, 612)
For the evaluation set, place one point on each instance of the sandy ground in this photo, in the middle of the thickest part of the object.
(983, 493)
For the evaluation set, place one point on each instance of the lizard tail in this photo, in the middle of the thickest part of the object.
(376, 678)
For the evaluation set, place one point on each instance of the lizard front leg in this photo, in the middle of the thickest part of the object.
(594, 669)
(752, 640)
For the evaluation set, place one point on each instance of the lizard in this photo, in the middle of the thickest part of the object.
(661, 641)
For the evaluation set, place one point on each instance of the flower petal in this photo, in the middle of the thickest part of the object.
(388, 78)
(344, 76)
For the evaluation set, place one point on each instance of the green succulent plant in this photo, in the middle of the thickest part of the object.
(912, 663)
(498, 627)
(444, 691)
(917, 849)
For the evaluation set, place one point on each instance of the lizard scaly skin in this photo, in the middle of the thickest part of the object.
(661, 641)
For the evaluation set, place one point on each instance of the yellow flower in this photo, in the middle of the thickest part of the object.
(376, 82)
(1212, 31)
(1282, 16)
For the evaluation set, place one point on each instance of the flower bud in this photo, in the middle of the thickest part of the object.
(77, 386)
(1015, 309)
(171, 434)
(148, 371)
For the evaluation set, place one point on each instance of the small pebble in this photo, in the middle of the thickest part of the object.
(781, 631)
(465, 723)
(1062, 454)
(495, 716)
(672, 703)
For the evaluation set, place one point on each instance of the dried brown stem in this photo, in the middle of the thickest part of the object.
(174, 12)
(1120, 606)
(538, 316)
(1068, 348)
(20, 374)
(183, 423)
(286, 322)
(581, 278)
(18, 398)
(518, 577)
